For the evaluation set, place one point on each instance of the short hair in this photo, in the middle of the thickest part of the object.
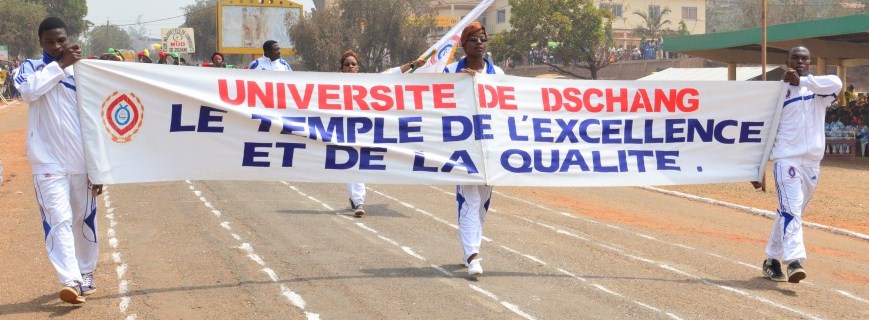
(51, 23)
(348, 53)
(268, 45)
(217, 54)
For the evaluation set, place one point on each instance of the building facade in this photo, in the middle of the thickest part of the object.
(497, 18)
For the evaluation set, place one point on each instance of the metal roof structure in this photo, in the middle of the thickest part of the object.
(842, 41)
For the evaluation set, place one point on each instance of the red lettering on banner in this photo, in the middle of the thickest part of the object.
(612, 100)
(500, 96)
(224, 92)
(443, 95)
(271, 95)
(254, 92)
(355, 94)
(302, 102)
(382, 100)
(417, 91)
(325, 95)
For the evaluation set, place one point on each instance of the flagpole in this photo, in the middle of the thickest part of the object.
(763, 64)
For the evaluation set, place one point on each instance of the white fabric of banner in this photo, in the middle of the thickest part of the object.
(146, 123)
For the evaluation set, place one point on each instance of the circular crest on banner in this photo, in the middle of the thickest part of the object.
(122, 115)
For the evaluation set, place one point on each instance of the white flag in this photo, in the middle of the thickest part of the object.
(438, 55)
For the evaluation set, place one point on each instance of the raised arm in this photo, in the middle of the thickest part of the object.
(825, 85)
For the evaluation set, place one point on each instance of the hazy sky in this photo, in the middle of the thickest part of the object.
(126, 12)
(122, 13)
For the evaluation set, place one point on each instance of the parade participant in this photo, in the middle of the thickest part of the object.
(349, 63)
(217, 60)
(162, 56)
(55, 150)
(473, 200)
(796, 155)
(271, 59)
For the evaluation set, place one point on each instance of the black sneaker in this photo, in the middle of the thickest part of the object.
(795, 272)
(772, 270)
(357, 209)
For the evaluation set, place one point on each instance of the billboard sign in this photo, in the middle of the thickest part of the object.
(243, 26)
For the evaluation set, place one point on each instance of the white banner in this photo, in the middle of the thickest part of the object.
(145, 122)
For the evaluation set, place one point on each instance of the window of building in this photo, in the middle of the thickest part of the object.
(654, 10)
(689, 13)
(614, 8)
(502, 16)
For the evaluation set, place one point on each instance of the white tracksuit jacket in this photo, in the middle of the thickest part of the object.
(801, 129)
(54, 141)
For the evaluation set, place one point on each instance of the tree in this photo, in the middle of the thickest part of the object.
(653, 23)
(103, 37)
(202, 17)
(72, 12)
(19, 26)
(319, 40)
(382, 32)
(582, 32)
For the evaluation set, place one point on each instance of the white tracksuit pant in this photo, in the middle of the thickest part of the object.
(473, 203)
(356, 192)
(69, 220)
(795, 183)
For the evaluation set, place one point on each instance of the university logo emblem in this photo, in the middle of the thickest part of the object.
(122, 116)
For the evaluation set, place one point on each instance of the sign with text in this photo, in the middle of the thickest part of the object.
(179, 40)
(146, 123)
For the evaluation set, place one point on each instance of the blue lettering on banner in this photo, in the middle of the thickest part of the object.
(207, 117)
(477, 125)
(364, 158)
(385, 130)
(256, 154)
(618, 131)
(572, 160)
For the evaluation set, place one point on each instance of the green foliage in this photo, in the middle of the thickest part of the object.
(654, 24)
(202, 17)
(72, 12)
(19, 26)
(583, 31)
(103, 37)
(384, 33)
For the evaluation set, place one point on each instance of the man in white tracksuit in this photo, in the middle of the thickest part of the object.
(796, 154)
(473, 200)
(271, 59)
(55, 151)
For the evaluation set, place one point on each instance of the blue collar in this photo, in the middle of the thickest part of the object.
(490, 68)
(46, 57)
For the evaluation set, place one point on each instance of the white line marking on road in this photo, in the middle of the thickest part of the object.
(120, 266)
(412, 253)
(607, 290)
(294, 298)
(528, 256)
(683, 273)
(410, 250)
(852, 296)
(363, 226)
(648, 306)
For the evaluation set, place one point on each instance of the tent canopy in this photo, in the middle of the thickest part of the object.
(713, 74)
(842, 41)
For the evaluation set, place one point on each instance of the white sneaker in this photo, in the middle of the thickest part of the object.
(474, 268)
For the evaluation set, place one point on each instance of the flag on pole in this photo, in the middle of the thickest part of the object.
(439, 55)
